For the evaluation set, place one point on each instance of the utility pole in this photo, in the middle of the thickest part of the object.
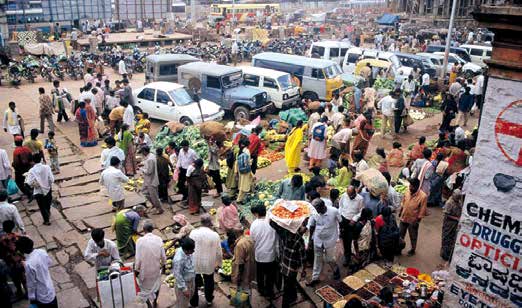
(448, 40)
(233, 14)
(193, 13)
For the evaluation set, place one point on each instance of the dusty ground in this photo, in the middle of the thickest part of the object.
(83, 207)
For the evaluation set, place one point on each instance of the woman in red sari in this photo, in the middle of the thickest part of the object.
(362, 139)
(457, 158)
(86, 118)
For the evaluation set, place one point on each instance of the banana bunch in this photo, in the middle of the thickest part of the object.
(263, 162)
(168, 267)
(133, 185)
(212, 212)
(171, 252)
(330, 132)
(272, 135)
(168, 244)
(170, 280)
(226, 267)
(227, 144)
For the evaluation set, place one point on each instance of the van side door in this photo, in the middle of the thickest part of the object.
(314, 81)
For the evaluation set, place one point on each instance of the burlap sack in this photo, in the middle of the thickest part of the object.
(212, 129)
(175, 127)
(374, 181)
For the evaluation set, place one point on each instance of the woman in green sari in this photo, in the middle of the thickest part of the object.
(126, 226)
(126, 143)
(231, 180)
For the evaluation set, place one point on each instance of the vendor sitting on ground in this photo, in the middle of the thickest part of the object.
(292, 188)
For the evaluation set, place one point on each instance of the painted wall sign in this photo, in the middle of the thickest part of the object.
(486, 269)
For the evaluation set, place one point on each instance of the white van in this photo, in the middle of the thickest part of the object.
(478, 53)
(355, 54)
(329, 50)
(278, 85)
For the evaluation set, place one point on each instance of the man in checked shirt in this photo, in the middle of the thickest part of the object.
(293, 256)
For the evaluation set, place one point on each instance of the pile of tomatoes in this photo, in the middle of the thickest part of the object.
(280, 211)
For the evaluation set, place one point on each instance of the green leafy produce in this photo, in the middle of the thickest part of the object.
(377, 123)
(401, 189)
(189, 133)
(384, 83)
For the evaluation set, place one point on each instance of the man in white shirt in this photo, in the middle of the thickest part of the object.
(426, 83)
(12, 121)
(360, 164)
(41, 179)
(408, 88)
(387, 106)
(338, 117)
(324, 229)
(128, 115)
(150, 258)
(207, 257)
(122, 69)
(39, 285)
(394, 199)
(5, 168)
(455, 88)
(479, 91)
(186, 157)
(264, 237)
(9, 212)
(100, 250)
(87, 96)
(350, 206)
(112, 178)
(111, 151)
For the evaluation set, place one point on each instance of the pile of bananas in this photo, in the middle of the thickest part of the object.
(170, 280)
(170, 252)
(133, 185)
(263, 162)
(272, 136)
(168, 244)
(212, 212)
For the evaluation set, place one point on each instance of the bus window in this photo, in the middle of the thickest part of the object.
(317, 52)
(317, 73)
(343, 51)
(334, 52)
(353, 57)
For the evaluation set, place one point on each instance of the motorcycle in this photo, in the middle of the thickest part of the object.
(46, 70)
(15, 72)
(29, 68)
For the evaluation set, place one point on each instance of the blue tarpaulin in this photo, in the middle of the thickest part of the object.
(388, 19)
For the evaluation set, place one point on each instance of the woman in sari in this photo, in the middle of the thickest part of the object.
(125, 226)
(362, 139)
(196, 179)
(231, 179)
(416, 151)
(437, 181)
(364, 241)
(86, 118)
(293, 146)
(395, 157)
(126, 143)
(452, 212)
(457, 158)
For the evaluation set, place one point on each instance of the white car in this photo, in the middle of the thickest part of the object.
(170, 101)
(466, 66)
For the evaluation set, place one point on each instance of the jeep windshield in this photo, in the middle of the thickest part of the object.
(232, 80)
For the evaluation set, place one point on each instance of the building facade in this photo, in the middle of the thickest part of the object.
(131, 10)
(439, 8)
(27, 14)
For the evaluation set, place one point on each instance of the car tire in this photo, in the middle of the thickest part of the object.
(311, 95)
(241, 112)
(186, 121)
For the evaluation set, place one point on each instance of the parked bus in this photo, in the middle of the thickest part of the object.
(242, 10)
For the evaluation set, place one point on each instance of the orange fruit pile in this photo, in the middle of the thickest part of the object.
(302, 211)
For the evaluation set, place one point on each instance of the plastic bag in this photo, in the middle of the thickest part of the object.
(239, 298)
(12, 189)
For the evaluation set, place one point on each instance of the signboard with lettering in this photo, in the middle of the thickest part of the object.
(486, 269)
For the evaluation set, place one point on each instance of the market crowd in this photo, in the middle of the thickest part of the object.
(359, 209)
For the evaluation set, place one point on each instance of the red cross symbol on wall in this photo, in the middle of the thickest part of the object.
(508, 132)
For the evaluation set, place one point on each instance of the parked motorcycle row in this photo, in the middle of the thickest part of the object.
(73, 67)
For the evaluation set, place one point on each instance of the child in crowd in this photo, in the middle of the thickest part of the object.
(52, 149)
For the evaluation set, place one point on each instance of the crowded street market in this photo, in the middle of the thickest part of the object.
(359, 153)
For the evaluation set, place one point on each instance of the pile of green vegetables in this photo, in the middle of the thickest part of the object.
(189, 133)
(384, 83)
